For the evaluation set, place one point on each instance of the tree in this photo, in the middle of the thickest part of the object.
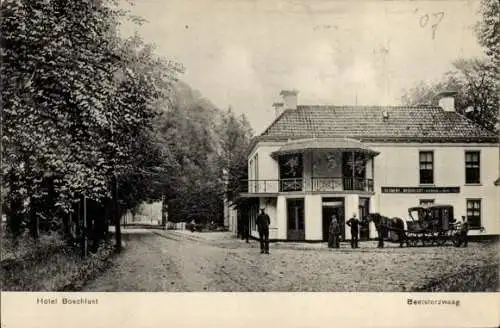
(475, 83)
(199, 141)
(79, 104)
(236, 136)
(56, 76)
(488, 30)
(144, 82)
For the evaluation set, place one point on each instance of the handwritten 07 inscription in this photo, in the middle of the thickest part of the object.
(434, 19)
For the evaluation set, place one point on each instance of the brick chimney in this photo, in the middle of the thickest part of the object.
(447, 100)
(289, 98)
(278, 108)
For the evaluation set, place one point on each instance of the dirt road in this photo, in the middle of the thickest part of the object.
(173, 261)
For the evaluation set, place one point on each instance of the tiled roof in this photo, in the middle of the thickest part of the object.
(367, 123)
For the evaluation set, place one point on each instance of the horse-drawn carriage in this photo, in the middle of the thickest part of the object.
(432, 225)
(428, 225)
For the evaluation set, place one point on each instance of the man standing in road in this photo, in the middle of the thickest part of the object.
(245, 227)
(263, 221)
(354, 224)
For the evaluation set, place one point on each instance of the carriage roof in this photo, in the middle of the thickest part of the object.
(430, 206)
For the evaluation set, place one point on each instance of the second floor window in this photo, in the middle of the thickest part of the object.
(472, 167)
(426, 167)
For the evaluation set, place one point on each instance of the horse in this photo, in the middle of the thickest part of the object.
(383, 224)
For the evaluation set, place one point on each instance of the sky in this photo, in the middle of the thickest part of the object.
(242, 53)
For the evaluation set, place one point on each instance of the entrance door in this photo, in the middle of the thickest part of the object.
(333, 206)
(295, 219)
(364, 210)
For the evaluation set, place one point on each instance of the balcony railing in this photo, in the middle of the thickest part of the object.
(313, 184)
(341, 184)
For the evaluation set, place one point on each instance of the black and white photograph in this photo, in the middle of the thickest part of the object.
(249, 146)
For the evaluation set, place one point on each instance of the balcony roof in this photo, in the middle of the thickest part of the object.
(332, 144)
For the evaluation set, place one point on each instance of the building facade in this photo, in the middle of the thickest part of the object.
(314, 161)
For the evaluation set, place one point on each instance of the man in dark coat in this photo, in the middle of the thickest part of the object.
(239, 226)
(263, 221)
(354, 224)
(245, 227)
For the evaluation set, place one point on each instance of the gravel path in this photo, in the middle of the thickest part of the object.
(181, 262)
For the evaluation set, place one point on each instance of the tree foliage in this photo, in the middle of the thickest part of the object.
(475, 80)
(84, 107)
(488, 30)
(201, 142)
(78, 106)
(475, 83)
(235, 142)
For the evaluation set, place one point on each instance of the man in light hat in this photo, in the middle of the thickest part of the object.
(263, 221)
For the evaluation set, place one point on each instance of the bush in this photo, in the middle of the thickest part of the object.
(90, 268)
(25, 248)
(52, 266)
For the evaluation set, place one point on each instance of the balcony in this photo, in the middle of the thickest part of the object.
(314, 184)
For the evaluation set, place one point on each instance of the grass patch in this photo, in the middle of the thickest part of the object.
(472, 279)
(50, 265)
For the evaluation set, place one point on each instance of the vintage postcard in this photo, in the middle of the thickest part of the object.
(250, 162)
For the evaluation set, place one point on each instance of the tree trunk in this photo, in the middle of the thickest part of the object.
(107, 213)
(34, 223)
(65, 226)
(85, 235)
(116, 215)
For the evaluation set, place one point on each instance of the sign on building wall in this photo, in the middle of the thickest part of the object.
(420, 190)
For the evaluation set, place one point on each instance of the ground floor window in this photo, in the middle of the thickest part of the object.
(474, 213)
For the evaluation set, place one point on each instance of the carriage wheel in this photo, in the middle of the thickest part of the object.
(432, 239)
(410, 239)
(441, 239)
(426, 240)
(456, 239)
